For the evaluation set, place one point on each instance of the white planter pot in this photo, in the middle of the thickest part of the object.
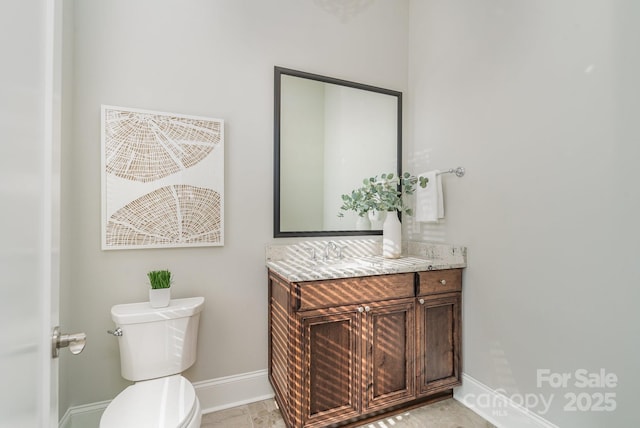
(159, 297)
(392, 236)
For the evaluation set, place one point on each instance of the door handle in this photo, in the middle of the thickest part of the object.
(75, 342)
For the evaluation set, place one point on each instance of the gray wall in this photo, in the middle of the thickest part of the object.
(208, 58)
(539, 100)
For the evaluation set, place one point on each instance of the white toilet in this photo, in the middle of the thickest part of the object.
(156, 345)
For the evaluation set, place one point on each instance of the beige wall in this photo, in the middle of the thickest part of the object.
(209, 58)
(539, 101)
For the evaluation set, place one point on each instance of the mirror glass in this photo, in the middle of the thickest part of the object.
(330, 134)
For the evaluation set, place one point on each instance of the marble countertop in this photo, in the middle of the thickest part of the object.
(296, 263)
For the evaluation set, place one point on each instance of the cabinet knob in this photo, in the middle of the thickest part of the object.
(360, 309)
(367, 308)
(421, 301)
(443, 282)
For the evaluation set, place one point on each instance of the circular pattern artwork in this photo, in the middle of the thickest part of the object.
(163, 179)
(178, 214)
(146, 147)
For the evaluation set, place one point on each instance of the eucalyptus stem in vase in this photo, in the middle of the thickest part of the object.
(384, 194)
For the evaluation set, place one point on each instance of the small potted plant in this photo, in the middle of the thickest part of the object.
(160, 292)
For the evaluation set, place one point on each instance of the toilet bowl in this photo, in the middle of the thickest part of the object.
(156, 345)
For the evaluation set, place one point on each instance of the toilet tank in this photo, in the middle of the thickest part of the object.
(157, 342)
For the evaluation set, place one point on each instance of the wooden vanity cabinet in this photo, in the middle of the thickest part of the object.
(341, 350)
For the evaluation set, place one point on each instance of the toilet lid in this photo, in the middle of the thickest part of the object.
(168, 402)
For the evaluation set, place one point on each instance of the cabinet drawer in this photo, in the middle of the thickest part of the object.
(440, 281)
(336, 292)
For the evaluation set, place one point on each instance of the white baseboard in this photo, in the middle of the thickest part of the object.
(215, 394)
(87, 415)
(495, 407)
(232, 391)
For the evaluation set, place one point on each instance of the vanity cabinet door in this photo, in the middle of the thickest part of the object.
(331, 365)
(388, 353)
(438, 330)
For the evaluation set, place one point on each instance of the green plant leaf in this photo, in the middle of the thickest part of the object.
(159, 279)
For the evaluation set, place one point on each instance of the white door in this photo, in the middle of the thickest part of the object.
(29, 210)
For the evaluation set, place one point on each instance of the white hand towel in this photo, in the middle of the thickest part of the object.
(429, 200)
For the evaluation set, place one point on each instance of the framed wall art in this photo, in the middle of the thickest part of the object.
(162, 179)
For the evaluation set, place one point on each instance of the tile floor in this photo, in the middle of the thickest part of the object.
(264, 414)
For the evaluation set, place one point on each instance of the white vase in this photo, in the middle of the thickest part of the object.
(392, 236)
(159, 297)
(363, 223)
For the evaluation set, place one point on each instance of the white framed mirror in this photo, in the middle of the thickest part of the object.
(329, 134)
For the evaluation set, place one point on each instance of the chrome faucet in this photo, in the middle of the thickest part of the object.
(332, 246)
